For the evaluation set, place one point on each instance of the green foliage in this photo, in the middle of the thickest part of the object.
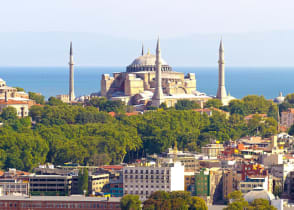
(83, 181)
(197, 204)
(261, 204)
(106, 105)
(290, 98)
(9, 114)
(264, 128)
(278, 190)
(19, 89)
(52, 101)
(291, 130)
(174, 200)
(37, 97)
(85, 135)
(186, 105)
(237, 202)
(216, 103)
(22, 150)
(253, 104)
(130, 202)
(236, 196)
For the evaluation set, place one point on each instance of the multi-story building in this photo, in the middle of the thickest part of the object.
(190, 182)
(50, 185)
(97, 182)
(287, 118)
(12, 182)
(252, 169)
(58, 202)
(231, 181)
(208, 184)
(212, 150)
(250, 183)
(202, 183)
(14, 187)
(143, 180)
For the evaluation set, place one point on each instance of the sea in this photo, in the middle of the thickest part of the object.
(240, 81)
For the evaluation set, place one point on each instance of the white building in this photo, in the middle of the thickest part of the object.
(252, 183)
(144, 180)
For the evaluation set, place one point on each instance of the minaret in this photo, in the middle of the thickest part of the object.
(221, 91)
(71, 75)
(142, 49)
(158, 99)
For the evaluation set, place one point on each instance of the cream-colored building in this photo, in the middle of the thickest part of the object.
(63, 97)
(143, 180)
(97, 182)
(212, 150)
(139, 83)
(10, 97)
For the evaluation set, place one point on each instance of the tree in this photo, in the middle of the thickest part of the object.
(277, 190)
(19, 89)
(237, 107)
(37, 97)
(236, 196)
(291, 130)
(83, 181)
(261, 204)
(197, 204)
(52, 101)
(130, 202)
(290, 98)
(186, 105)
(9, 114)
(216, 103)
(237, 202)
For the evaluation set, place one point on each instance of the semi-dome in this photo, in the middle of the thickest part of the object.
(258, 193)
(147, 63)
(280, 99)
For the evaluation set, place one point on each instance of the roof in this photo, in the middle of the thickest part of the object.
(147, 60)
(12, 102)
(258, 193)
(59, 198)
(113, 167)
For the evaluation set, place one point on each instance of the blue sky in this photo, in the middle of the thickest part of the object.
(110, 32)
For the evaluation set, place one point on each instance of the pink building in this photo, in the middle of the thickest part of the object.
(287, 118)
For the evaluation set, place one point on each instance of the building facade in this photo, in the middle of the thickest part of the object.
(139, 85)
(58, 202)
(144, 180)
(287, 118)
(50, 185)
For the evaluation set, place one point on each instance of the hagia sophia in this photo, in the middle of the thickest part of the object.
(149, 80)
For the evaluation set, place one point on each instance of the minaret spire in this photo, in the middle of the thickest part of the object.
(221, 91)
(158, 99)
(142, 49)
(71, 75)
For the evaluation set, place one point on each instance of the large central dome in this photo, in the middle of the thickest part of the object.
(147, 63)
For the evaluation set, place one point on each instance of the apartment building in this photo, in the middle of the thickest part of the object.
(145, 179)
(50, 185)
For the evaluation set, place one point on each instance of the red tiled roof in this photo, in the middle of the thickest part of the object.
(113, 167)
(10, 101)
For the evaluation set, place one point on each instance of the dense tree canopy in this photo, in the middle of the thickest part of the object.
(130, 202)
(37, 97)
(162, 200)
(186, 104)
(88, 136)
